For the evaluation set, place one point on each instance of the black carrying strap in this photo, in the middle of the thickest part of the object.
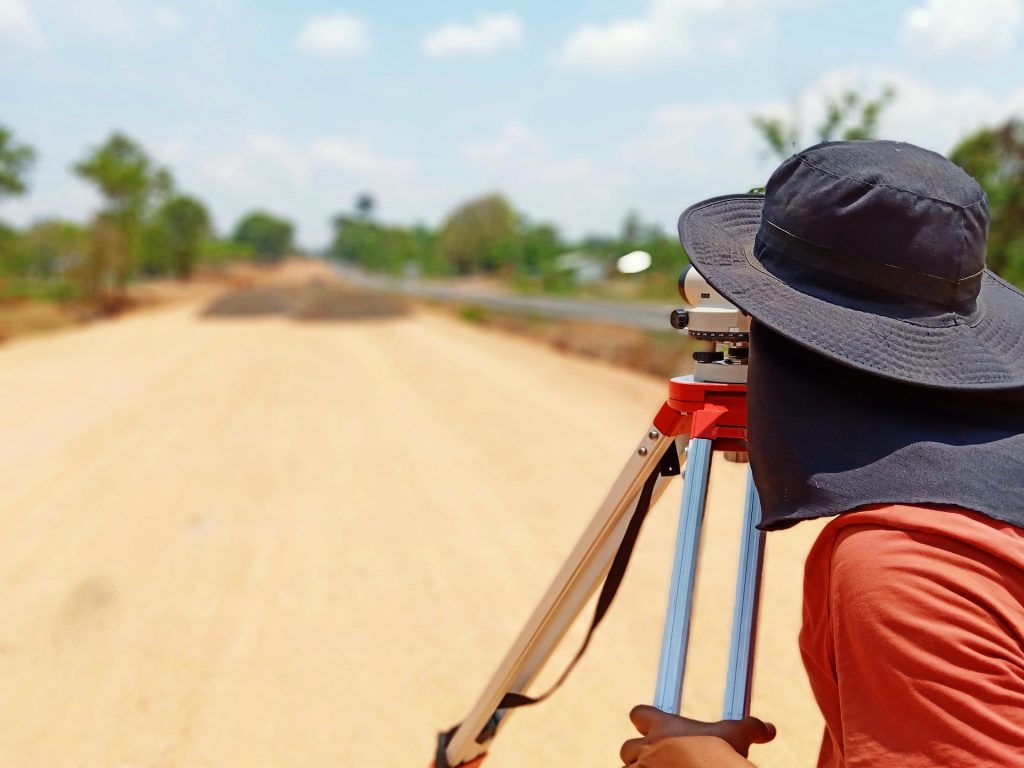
(668, 466)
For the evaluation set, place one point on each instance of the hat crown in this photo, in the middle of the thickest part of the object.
(887, 206)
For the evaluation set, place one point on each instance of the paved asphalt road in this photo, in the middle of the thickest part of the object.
(650, 317)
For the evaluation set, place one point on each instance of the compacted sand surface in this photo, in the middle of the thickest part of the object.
(255, 541)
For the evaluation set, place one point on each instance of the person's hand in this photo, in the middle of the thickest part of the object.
(670, 741)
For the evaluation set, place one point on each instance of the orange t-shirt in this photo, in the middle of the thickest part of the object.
(913, 638)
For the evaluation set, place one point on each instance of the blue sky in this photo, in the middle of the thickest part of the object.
(579, 112)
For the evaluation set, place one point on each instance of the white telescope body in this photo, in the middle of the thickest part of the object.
(708, 310)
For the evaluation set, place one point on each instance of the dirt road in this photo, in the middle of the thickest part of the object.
(264, 543)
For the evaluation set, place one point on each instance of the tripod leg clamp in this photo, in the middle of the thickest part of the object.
(441, 757)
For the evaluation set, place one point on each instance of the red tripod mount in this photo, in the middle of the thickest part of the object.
(706, 409)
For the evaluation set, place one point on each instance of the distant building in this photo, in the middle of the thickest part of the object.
(585, 267)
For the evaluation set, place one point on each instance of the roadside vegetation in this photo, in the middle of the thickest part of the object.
(487, 237)
(146, 228)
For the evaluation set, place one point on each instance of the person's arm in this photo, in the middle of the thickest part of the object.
(670, 741)
(927, 649)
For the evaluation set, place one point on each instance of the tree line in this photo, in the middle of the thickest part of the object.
(145, 227)
(487, 235)
(148, 227)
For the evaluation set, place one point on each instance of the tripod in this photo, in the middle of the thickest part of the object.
(700, 417)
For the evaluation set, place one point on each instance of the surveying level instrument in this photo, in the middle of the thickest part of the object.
(704, 413)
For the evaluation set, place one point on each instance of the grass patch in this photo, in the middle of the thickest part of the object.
(59, 291)
(473, 314)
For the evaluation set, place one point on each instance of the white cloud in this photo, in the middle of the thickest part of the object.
(921, 113)
(545, 183)
(167, 18)
(514, 139)
(106, 19)
(626, 44)
(260, 157)
(710, 140)
(18, 26)
(310, 181)
(292, 161)
(348, 155)
(977, 28)
(670, 31)
(518, 152)
(120, 21)
(489, 33)
(685, 152)
(263, 156)
(227, 170)
(170, 150)
(336, 34)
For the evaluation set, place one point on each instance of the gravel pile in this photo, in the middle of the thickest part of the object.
(316, 300)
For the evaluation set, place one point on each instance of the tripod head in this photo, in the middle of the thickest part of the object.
(721, 330)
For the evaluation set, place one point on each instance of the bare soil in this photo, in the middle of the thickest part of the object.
(257, 542)
(25, 317)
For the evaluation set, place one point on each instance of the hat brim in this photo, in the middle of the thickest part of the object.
(984, 352)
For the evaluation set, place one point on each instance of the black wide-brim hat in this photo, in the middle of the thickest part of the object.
(872, 254)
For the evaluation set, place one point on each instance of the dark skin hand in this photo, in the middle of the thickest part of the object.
(670, 741)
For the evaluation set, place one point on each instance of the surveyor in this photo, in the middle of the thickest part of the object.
(886, 389)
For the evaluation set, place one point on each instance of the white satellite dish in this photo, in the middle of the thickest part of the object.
(633, 262)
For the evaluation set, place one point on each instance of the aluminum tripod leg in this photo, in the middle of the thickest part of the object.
(676, 638)
(578, 579)
(675, 642)
(744, 620)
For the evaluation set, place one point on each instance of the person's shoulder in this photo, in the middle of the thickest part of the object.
(884, 542)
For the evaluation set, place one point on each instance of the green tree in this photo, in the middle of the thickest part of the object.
(217, 252)
(130, 184)
(107, 258)
(635, 231)
(358, 239)
(481, 235)
(50, 248)
(15, 162)
(667, 258)
(9, 250)
(365, 205)
(848, 117)
(269, 236)
(379, 248)
(995, 157)
(177, 232)
(540, 245)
